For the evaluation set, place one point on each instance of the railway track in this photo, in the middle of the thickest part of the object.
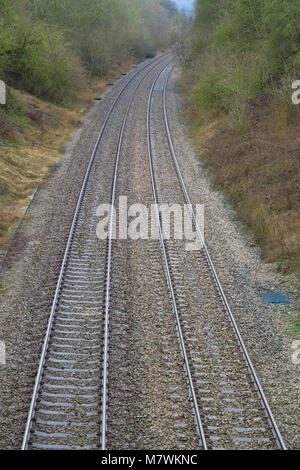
(69, 406)
(230, 407)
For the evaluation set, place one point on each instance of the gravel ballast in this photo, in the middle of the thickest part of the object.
(31, 267)
(148, 391)
(264, 327)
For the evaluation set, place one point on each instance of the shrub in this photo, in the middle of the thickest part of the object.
(45, 68)
(245, 48)
(45, 45)
(228, 81)
(33, 56)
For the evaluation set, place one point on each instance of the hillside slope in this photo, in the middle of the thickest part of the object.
(239, 71)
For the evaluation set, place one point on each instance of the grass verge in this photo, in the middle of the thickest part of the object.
(33, 134)
(256, 163)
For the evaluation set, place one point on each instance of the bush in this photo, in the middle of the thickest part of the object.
(45, 46)
(45, 68)
(33, 57)
(227, 81)
(103, 32)
(247, 48)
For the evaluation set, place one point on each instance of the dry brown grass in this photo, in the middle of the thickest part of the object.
(258, 168)
(32, 141)
(29, 146)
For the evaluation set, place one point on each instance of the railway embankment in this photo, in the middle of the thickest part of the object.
(256, 167)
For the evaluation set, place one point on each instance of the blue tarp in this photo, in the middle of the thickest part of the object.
(275, 297)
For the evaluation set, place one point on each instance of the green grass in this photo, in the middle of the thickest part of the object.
(295, 326)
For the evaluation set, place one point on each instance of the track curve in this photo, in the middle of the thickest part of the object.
(252, 435)
(69, 364)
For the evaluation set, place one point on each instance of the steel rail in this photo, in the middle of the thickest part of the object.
(238, 335)
(37, 384)
(109, 259)
(167, 271)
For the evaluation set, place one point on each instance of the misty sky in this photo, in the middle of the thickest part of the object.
(185, 3)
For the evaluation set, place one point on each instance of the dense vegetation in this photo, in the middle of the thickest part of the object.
(244, 48)
(47, 46)
(240, 63)
(55, 56)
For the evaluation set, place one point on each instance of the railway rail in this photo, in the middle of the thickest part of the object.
(262, 422)
(65, 405)
(69, 406)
